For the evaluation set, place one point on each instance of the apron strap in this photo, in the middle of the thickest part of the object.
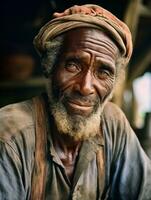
(39, 171)
(103, 191)
(101, 171)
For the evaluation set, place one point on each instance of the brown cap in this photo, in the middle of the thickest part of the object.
(103, 20)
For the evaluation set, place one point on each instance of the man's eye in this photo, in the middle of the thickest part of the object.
(104, 73)
(72, 67)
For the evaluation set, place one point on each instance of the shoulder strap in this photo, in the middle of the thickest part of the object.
(104, 190)
(39, 171)
(101, 171)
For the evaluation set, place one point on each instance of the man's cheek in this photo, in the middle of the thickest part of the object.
(105, 90)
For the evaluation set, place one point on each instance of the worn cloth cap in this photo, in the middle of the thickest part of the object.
(105, 20)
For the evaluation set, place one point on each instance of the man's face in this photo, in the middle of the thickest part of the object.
(84, 75)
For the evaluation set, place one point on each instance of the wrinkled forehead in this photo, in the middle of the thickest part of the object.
(92, 38)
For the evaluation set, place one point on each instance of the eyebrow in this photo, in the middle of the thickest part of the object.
(107, 64)
(77, 57)
(82, 58)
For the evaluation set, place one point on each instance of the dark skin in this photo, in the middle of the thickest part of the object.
(86, 73)
(67, 150)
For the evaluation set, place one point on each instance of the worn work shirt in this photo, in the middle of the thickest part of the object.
(127, 170)
(85, 181)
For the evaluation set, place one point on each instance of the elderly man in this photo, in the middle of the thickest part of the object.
(72, 143)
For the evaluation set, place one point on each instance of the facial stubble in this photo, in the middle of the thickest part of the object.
(77, 126)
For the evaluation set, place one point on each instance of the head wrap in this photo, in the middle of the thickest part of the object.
(105, 20)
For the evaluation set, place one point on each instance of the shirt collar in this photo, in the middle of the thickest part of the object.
(88, 149)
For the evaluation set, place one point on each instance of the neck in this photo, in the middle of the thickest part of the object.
(68, 150)
(64, 142)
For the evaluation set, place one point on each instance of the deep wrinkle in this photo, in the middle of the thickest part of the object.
(104, 44)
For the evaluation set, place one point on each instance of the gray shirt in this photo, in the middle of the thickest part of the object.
(127, 170)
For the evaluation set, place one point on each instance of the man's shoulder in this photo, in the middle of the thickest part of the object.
(14, 118)
(115, 120)
(113, 112)
(115, 123)
(117, 130)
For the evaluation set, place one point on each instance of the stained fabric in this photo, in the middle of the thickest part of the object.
(105, 21)
(127, 169)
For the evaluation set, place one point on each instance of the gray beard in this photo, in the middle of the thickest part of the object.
(76, 126)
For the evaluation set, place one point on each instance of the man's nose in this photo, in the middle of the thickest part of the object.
(85, 84)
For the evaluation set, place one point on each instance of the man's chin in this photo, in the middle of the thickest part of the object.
(78, 125)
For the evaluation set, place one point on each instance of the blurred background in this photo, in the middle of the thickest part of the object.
(20, 71)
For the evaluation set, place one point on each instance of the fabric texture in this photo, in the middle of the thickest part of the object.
(105, 20)
(127, 169)
(40, 170)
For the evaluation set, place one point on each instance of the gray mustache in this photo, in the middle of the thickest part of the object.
(80, 98)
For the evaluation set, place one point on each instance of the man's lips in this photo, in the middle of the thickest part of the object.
(80, 105)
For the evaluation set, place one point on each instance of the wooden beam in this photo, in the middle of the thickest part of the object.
(144, 11)
(131, 17)
(140, 66)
